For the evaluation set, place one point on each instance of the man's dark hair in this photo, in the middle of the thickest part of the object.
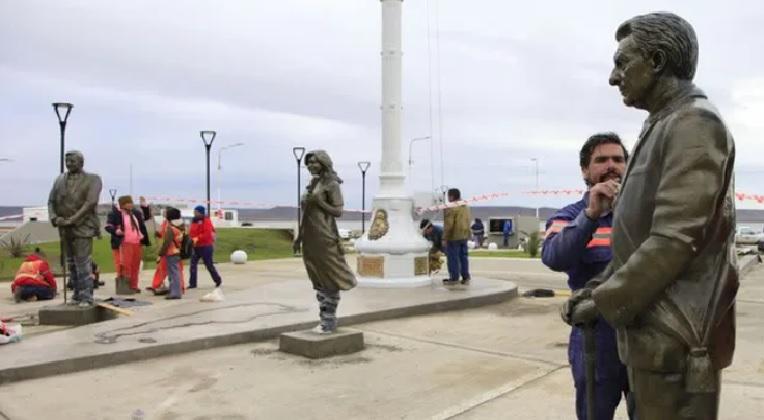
(585, 156)
(454, 193)
(665, 32)
(424, 223)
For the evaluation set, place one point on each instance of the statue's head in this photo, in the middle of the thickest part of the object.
(319, 164)
(651, 47)
(74, 161)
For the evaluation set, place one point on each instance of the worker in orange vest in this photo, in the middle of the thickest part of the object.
(34, 281)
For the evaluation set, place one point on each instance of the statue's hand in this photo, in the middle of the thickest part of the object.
(312, 198)
(567, 309)
(56, 221)
(62, 222)
(584, 313)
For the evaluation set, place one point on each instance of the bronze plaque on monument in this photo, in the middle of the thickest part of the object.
(421, 266)
(371, 266)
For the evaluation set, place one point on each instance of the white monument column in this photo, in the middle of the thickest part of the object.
(392, 251)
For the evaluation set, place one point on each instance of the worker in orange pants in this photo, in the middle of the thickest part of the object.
(161, 273)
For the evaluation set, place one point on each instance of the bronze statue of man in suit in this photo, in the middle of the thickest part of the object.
(72, 209)
(670, 288)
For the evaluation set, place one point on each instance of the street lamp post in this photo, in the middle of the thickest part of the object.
(63, 109)
(298, 153)
(220, 152)
(411, 143)
(363, 166)
(536, 161)
(208, 137)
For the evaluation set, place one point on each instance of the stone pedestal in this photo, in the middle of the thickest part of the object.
(73, 315)
(122, 286)
(315, 346)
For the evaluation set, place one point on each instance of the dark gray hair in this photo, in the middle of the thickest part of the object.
(666, 32)
(77, 154)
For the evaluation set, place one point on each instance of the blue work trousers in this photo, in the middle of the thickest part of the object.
(205, 254)
(611, 380)
(458, 263)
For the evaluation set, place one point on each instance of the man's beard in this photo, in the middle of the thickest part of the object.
(604, 177)
(610, 175)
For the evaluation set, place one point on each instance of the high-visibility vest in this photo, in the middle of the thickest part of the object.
(30, 269)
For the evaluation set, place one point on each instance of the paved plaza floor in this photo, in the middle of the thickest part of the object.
(503, 360)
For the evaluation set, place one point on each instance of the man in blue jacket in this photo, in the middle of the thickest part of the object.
(578, 243)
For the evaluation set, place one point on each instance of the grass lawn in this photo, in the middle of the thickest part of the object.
(508, 253)
(259, 244)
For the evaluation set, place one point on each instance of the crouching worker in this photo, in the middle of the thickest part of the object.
(170, 251)
(34, 281)
(434, 234)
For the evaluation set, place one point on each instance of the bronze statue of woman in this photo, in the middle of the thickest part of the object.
(322, 250)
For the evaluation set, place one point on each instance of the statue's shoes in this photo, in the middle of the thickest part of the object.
(318, 329)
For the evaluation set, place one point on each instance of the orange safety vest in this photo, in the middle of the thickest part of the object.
(31, 269)
(177, 236)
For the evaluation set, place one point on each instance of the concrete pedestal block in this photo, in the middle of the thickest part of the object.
(122, 286)
(73, 315)
(316, 346)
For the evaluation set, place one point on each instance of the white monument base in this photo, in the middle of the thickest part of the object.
(394, 283)
(399, 256)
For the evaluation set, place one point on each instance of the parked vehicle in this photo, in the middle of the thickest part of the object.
(748, 236)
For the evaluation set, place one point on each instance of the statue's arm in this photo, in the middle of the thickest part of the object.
(91, 201)
(334, 203)
(52, 213)
(696, 172)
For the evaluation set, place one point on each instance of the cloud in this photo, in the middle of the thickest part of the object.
(516, 81)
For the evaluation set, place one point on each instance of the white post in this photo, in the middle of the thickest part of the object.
(396, 258)
(391, 174)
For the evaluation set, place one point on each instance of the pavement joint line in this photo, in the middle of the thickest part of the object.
(744, 383)
(758, 302)
(4, 416)
(112, 336)
(468, 348)
(492, 395)
(519, 273)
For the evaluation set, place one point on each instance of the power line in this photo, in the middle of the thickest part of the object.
(440, 98)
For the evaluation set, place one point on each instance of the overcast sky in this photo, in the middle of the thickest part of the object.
(518, 80)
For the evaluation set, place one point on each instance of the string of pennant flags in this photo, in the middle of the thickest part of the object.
(740, 196)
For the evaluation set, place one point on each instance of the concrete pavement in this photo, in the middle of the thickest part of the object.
(501, 361)
(256, 308)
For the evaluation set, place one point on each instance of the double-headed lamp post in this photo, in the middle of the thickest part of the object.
(63, 109)
(298, 153)
(208, 137)
(363, 166)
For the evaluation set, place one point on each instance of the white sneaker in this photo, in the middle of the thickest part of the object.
(318, 329)
(214, 296)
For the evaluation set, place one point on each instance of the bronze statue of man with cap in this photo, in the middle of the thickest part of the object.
(72, 209)
(670, 287)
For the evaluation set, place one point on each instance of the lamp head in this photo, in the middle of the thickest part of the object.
(298, 152)
(364, 166)
(63, 109)
(207, 137)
